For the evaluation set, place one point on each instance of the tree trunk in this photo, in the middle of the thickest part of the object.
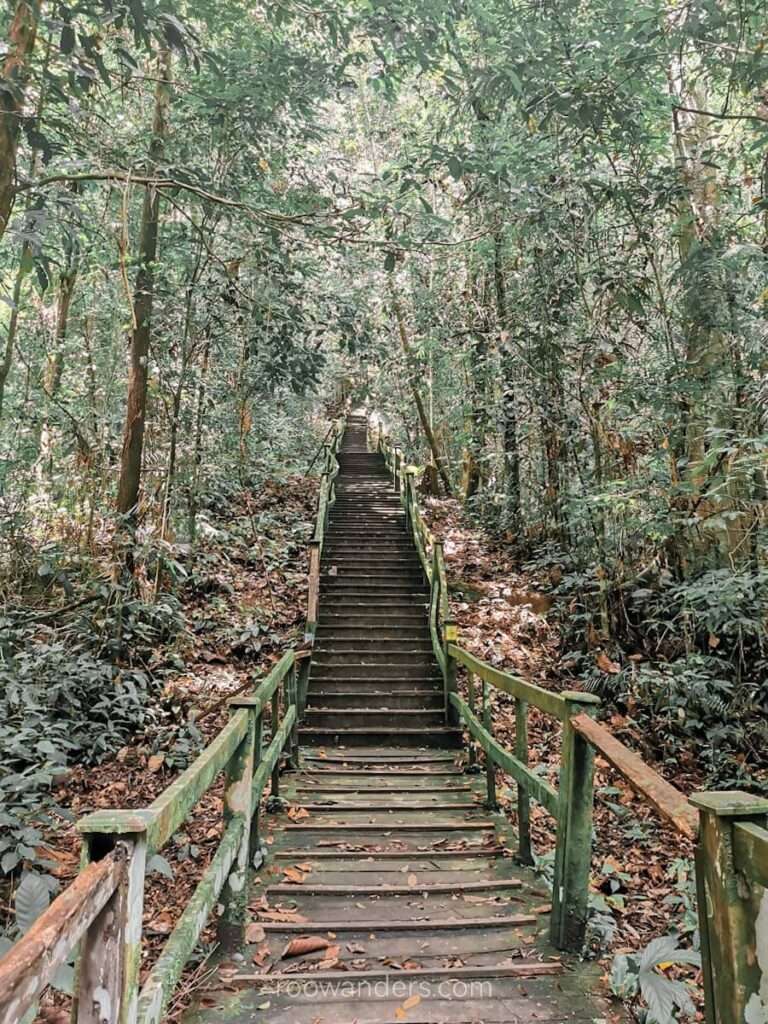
(197, 460)
(54, 364)
(14, 79)
(509, 388)
(423, 418)
(133, 434)
(13, 323)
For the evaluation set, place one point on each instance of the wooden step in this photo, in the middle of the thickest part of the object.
(362, 737)
(372, 718)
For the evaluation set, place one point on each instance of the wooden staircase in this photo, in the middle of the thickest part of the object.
(374, 674)
(384, 854)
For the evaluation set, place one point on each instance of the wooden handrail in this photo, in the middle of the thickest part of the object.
(31, 962)
(668, 801)
(108, 930)
(325, 498)
(545, 700)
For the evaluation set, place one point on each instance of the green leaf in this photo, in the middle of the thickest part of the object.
(159, 865)
(389, 262)
(32, 898)
(455, 167)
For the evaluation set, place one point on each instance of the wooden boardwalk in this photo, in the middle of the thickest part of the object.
(384, 858)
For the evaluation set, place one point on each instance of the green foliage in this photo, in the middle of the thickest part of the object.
(708, 687)
(68, 700)
(642, 975)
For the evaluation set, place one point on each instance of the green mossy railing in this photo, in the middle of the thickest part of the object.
(729, 829)
(325, 500)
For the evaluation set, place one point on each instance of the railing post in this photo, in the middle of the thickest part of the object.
(733, 914)
(302, 687)
(275, 802)
(292, 700)
(573, 853)
(450, 636)
(238, 801)
(490, 767)
(313, 592)
(109, 958)
(472, 767)
(524, 851)
(398, 458)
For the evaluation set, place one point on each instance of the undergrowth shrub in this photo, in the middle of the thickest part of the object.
(687, 660)
(71, 696)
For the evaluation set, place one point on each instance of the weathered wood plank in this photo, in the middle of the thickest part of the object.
(28, 966)
(524, 849)
(733, 912)
(531, 969)
(539, 789)
(310, 886)
(573, 852)
(313, 595)
(545, 700)
(750, 850)
(671, 804)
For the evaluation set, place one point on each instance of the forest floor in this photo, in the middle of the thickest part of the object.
(248, 605)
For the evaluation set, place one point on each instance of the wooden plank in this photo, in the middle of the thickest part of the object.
(545, 700)
(532, 969)
(671, 804)
(539, 789)
(440, 567)
(750, 851)
(410, 855)
(573, 852)
(334, 806)
(396, 827)
(309, 887)
(732, 912)
(524, 849)
(372, 927)
(238, 802)
(28, 966)
(313, 577)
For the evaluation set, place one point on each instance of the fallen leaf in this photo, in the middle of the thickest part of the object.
(261, 955)
(282, 916)
(605, 664)
(155, 763)
(254, 933)
(303, 945)
(293, 875)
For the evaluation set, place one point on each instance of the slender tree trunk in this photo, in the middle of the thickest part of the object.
(133, 436)
(423, 417)
(54, 363)
(13, 323)
(12, 85)
(509, 388)
(197, 459)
